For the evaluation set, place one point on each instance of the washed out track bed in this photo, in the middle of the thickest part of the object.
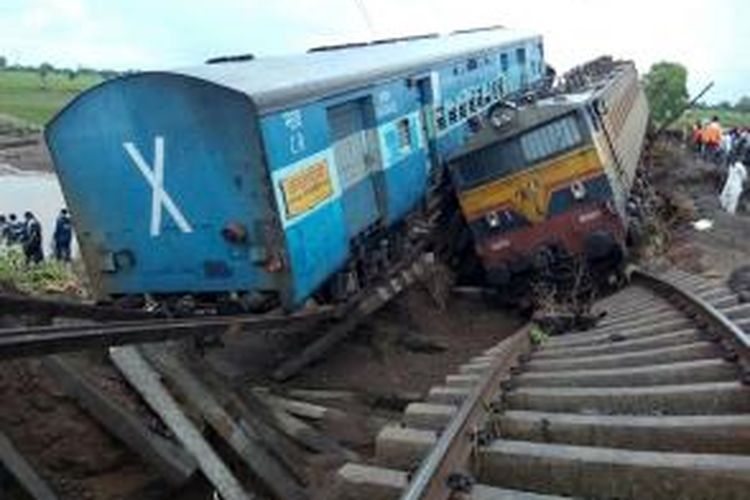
(653, 402)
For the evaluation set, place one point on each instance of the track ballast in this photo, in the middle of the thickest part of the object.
(651, 403)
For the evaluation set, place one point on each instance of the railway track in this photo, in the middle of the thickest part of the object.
(42, 340)
(653, 402)
(110, 326)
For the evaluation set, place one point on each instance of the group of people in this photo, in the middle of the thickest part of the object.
(715, 144)
(730, 150)
(27, 234)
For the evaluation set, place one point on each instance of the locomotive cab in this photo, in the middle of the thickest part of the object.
(551, 185)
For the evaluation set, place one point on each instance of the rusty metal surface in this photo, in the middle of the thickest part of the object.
(451, 453)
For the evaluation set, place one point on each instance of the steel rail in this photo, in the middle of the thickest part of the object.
(18, 304)
(17, 342)
(451, 452)
(702, 307)
(321, 313)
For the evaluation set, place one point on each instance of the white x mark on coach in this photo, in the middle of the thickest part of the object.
(155, 177)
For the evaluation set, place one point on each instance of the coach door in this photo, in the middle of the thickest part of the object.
(426, 114)
(355, 159)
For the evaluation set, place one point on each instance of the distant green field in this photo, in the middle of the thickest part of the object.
(728, 118)
(26, 97)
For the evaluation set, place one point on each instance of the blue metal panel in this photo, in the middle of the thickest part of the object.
(402, 176)
(295, 134)
(406, 183)
(360, 207)
(394, 100)
(316, 240)
(318, 247)
(109, 141)
(468, 88)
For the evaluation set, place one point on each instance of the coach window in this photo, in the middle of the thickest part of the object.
(504, 62)
(440, 117)
(521, 56)
(487, 93)
(404, 135)
(497, 89)
(452, 115)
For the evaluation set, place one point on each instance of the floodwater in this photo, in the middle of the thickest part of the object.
(38, 192)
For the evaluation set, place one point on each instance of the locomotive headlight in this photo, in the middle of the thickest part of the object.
(578, 190)
(493, 219)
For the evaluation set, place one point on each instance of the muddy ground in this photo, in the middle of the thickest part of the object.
(406, 347)
(25, 151)
(70, 450)
(692, 187)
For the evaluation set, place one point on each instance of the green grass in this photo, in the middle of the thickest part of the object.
(728, 118)
(26, 97)
(50, 276)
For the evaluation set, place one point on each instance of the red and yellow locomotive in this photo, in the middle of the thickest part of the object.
(555, 181)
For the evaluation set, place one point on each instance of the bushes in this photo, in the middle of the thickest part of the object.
(50, 276)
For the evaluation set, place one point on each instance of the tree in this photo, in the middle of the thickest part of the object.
(666, 89)
(3, 62)
(44, 70)
(724, 105)
(743, 104)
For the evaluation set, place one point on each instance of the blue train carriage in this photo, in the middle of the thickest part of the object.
(271, 176)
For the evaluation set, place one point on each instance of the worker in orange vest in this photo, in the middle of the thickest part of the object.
(712, 139)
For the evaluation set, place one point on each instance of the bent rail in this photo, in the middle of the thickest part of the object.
(698, 305)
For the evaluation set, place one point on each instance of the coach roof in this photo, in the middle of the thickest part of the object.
(274, 83)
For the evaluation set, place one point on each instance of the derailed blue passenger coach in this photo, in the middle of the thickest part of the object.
(260, 175)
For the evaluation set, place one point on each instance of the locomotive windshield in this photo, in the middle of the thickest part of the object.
(551, 139)
(520, 152)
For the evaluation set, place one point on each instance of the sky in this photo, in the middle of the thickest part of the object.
(707, 37)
